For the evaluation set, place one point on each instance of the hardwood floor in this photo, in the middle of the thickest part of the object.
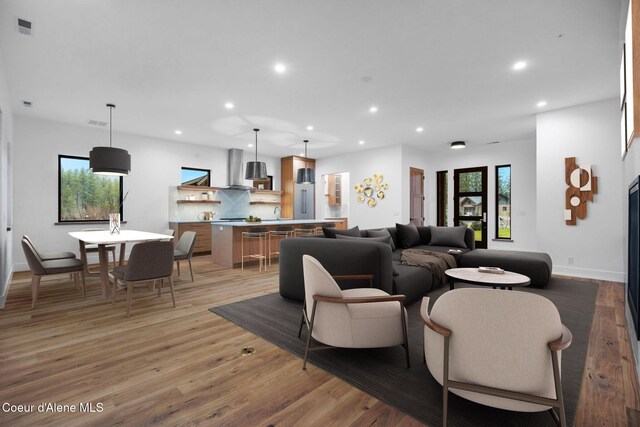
(184, 366)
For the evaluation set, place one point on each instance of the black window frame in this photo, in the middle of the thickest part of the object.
(208, 171)
(497, 209)
(80, 221)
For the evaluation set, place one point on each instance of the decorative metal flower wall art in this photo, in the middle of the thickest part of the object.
(371, 189)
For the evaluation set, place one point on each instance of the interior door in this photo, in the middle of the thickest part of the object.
(416, 190)
(470, 201)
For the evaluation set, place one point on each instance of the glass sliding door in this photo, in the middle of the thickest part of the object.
(470, 199)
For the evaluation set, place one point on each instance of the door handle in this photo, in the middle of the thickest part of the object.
(484, 217)
(304, 201)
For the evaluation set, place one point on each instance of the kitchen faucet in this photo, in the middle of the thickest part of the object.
(275, 211)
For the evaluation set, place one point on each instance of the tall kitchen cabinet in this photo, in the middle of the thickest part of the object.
(298, 200)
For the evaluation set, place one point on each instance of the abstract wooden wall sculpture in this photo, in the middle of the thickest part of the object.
(582, 185)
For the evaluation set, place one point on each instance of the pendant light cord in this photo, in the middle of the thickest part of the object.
(256, 131)
(110, 124)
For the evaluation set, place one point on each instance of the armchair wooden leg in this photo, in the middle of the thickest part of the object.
(404, 333)
(558, 383)
(190, 269)
(306, 349)
(301, 325)
(173, 295)
(35, 283)
(445, 383)
(129, 297)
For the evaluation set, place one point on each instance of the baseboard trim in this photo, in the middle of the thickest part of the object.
(588, 273)
(3, 298)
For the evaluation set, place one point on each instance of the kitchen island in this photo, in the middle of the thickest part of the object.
(226, 241)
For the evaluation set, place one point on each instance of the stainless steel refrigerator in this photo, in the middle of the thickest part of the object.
(303, 201)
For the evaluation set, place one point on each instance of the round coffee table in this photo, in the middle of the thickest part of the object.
(472, 276)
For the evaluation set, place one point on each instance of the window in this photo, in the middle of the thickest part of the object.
(83, 195)
(503, 202)
(442, 191)
(199, 177)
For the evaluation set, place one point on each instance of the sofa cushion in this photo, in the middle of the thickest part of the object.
(413, 282)
(535, 265)
(408, 235)
(331, 232)
(381, 239)
(383, 232)
(448, 236)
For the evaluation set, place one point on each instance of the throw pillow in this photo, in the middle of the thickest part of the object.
(408, 235)
(332, 232)
(382, 233)
(381, 239)
(448, 236)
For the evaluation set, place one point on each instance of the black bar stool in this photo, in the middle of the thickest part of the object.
(327, 225)
(281, 232)
(305, 230)
(260, 234)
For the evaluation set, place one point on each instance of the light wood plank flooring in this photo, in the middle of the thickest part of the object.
(183, 366)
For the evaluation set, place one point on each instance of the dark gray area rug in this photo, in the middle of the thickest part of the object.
(382, 372)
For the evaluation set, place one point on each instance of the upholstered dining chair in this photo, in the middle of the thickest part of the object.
(353, 318)
(92, 248)
(497, 348)
(148, 262)
(48, 256)
(168, 232)
(40, 267)
(184, 250)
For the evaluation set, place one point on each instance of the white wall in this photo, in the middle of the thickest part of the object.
(361, 165)
(590, 133)
(521, 156)
(6, 137)
(155, 168)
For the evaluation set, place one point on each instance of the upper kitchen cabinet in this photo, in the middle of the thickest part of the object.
(334, 189)
(630, 78)
(297, 199)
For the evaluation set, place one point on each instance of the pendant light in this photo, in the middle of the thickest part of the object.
(458, 145)
(109, 160)
(256, 170)
(306, 175)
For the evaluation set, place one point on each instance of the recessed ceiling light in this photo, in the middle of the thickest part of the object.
(229, 106)
(177, 132)
(520, 65)
(419, 129)
(373, 109)
(249, 145)
(541, 103)
(361, 142)
(27, 104)
(280, 68)
(309, 127)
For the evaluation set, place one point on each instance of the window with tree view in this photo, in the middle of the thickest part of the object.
(83, 195)
(503, 202)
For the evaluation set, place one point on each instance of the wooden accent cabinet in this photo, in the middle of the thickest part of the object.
(288, 170)
(334, 185)
(203, 235)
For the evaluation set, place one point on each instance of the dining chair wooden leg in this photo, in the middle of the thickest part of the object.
(113, 253)
(114, 289)
(190, 269)
(160, 287)
(173, 295)
(35, 283)
(178, 264)
(129, 297)
(83, 284)
(76, 282)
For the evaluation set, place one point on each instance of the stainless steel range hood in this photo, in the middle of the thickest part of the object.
(235, 171)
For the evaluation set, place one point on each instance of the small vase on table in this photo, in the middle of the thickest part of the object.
(114, 223)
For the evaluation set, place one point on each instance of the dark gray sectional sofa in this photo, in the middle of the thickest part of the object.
(362, 256)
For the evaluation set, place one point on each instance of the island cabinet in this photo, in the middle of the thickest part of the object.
(203, 235)
(227, 240)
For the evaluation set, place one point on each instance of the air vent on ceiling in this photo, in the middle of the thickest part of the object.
(97, 123)
(24, 26)
(27, 104)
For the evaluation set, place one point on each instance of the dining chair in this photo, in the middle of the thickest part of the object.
(168, 232)
(148, 262)
(92, 248)
(184, 250)
(40, 268)
(48, 256)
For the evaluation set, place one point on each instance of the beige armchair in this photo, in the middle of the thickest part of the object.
(354, 318)
(497, 348)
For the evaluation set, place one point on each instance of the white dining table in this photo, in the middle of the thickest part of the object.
(104, 239)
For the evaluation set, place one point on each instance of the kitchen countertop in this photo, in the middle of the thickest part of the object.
(271, 222)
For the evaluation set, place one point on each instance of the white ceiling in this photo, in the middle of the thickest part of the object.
(442, 65)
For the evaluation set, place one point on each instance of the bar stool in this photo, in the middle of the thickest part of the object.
(260, 234)
(328, 225)
(281, 232)
(305, 230)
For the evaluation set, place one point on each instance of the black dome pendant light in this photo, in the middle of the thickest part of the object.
(306, 175)
(256, 170)
(109, 160)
